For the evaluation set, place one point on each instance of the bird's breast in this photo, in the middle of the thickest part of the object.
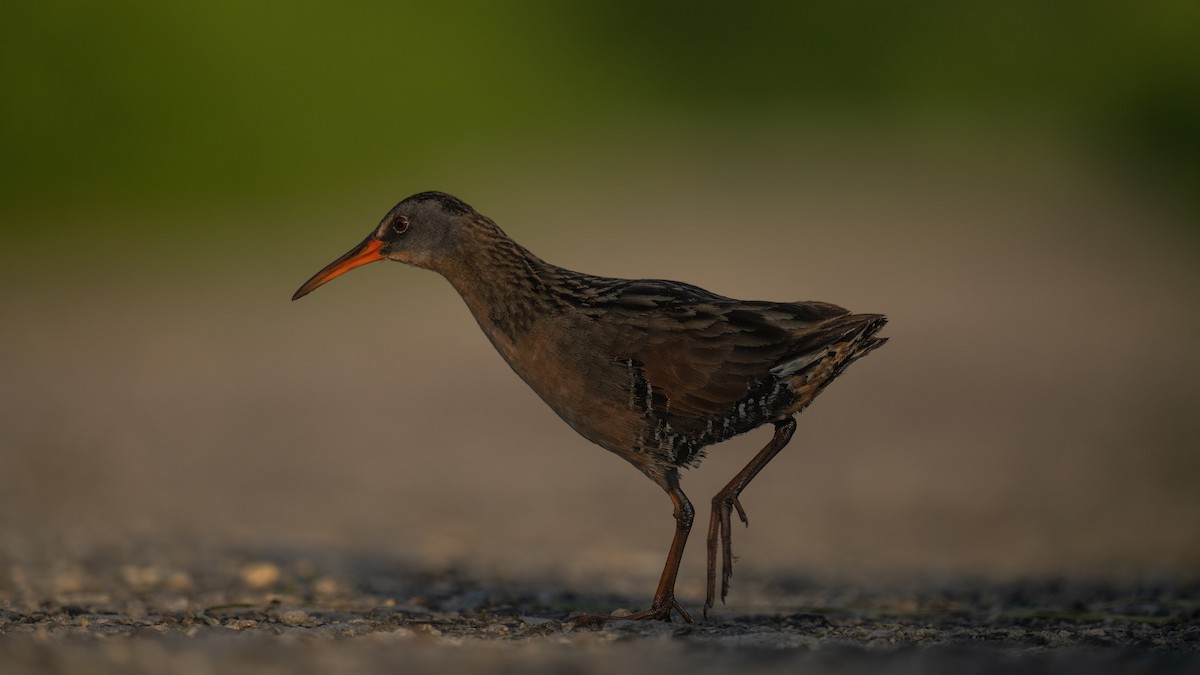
(567, 365)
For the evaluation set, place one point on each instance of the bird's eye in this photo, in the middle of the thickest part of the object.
(400, 225)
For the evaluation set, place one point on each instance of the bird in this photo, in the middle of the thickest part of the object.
(652, 370)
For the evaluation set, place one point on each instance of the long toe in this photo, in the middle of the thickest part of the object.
(737, 503)
(726, 549)
(714, 532)
(660, 611)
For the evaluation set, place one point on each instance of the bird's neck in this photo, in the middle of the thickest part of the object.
(504, 285)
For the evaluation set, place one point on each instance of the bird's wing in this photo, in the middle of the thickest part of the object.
(704, 359)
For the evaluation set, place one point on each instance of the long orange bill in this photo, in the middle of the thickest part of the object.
(366, 252)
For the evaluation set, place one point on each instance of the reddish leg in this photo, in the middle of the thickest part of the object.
(727, 499)
(664, 598)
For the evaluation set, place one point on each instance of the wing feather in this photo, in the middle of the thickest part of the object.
(706, 358)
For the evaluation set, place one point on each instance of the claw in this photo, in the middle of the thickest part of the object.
(660, 611)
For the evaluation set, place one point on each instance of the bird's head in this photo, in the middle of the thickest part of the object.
(419, 231)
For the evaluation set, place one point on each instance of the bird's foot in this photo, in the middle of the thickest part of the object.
(741, 512)
(719, 528)
(660, 611)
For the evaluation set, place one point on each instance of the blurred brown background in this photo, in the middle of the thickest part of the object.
(1013, 187)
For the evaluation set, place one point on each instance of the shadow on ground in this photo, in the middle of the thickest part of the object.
(196, 610)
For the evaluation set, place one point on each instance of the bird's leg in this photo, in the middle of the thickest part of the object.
(726, 499)
(664, 596)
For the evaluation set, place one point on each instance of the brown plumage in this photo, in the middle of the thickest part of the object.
(651, 370)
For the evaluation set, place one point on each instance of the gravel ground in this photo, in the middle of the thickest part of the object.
(191, 611)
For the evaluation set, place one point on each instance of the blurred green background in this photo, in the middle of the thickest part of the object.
(202, 106)
(1013, 183)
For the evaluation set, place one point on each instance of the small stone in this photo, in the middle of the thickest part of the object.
(293, 617)
(327, 587)
(259, 574)
(621, 612)
(178, 580)
(534, 620)
(142, 578)
(427, 629)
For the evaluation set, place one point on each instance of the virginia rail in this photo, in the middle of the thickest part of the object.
(651, 370)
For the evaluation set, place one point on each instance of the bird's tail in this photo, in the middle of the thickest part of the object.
(824, 353)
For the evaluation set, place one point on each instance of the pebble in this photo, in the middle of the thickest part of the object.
(327, 587)
(259, 575)
(427, 629)
(293, 617)
(142, 578)
(159, 603)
